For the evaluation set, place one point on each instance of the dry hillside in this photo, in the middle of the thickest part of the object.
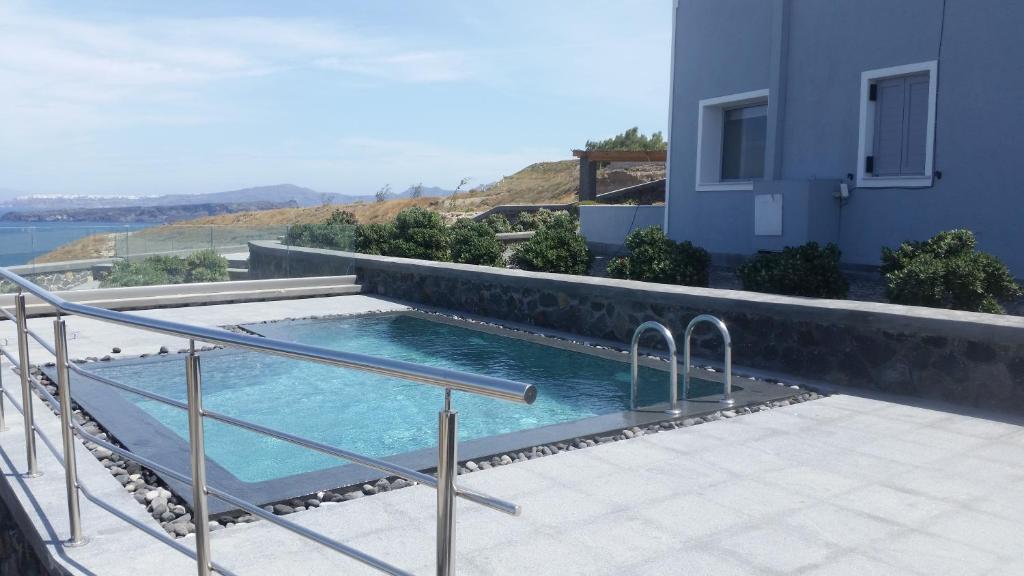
(541, 183)
(544, 182)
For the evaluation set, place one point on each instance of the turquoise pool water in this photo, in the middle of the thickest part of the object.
(375, 415)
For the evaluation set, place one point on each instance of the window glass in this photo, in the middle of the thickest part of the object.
(744, 133)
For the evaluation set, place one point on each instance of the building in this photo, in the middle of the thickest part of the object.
(860, 122)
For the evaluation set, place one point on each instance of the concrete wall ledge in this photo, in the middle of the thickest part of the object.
(515, 236)
(965, 357)
(191, 294)
(66, 266)
(882, 314)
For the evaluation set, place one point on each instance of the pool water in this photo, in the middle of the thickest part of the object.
(376, 415)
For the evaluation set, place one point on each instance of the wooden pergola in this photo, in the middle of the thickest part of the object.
(590, 160)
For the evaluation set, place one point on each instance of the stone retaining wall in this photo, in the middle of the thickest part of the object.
(962, 357)
(54, 281)
(17, 557)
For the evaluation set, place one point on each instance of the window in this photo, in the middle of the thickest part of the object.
(731, 136)
(743, 138)
(897, 126)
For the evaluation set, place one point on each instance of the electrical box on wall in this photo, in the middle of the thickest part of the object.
(768, 215)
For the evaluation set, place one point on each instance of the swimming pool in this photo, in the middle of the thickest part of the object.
(376, 415)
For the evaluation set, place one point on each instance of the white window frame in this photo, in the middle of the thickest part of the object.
(866, 133)
(710, 122)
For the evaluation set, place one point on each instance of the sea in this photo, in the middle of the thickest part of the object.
(20, 242)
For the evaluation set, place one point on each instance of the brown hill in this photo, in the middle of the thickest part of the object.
(540, 183)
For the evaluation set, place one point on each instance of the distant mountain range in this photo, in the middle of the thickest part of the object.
(76, 208)
(146, 214)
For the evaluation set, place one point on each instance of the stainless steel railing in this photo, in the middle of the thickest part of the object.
(449, 380)
(727, 399)
(673, 368)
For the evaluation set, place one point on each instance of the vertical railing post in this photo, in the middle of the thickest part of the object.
(60, 341)
(197, 452)
(3, 416)
(26, 392)
(727, 398)
(447, 458)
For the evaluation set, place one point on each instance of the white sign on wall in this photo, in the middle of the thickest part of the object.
(768, 214)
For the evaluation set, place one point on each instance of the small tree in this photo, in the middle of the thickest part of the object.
(475, 243)
(557, 247)
(383, 193)
(451, 199)
(947, 271)
(631, 139)
(341, 218)
(416, 191)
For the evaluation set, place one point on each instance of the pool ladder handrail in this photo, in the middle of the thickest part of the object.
(727, 399)
(444, 482)
(673, 367)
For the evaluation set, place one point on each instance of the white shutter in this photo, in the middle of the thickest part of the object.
(889, 115)
(916, 123)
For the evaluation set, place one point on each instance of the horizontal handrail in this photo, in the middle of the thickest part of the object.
(447, 379)
(377, 464)
(442, 377)
(42, 342)
(309, 534)
(131, 389)
(242, 504)
(374, 463)
(31, 379)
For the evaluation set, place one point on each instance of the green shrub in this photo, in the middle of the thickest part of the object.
(335, 233)
(475, 243)
(947, 271)
(174, 268)
(201, 266)
(374, 238)
(414, 233)
(125, 273)
(330, 235)
(807, 270)
(420, 234)
(531, 221)
(498, 223)
(655, 258)
(205, 266)
(557, 246)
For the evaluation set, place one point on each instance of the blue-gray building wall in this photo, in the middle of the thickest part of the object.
(726, 47)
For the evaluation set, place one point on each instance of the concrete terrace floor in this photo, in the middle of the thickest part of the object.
(843, 485)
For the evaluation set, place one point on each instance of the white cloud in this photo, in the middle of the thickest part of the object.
(425, 67)
(62, 76)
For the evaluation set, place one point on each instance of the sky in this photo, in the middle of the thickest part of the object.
(141, 98)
